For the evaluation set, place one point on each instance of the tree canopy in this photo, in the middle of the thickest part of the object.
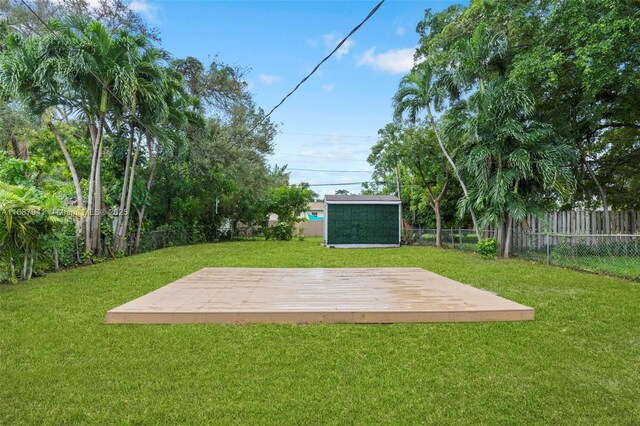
(533, 104)
(98, 116)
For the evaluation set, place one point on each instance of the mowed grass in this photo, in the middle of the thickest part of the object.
(577, 363)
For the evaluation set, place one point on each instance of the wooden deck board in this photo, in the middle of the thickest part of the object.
(331, 295)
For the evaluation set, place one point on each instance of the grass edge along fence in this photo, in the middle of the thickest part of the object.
(611, 254)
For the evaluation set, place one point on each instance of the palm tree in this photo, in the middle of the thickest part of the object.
(95, 70)
(182, 111)
(149, 110)
(85, 71)
(517, 165)
(417, 92)
(474, 60)
(26, 77)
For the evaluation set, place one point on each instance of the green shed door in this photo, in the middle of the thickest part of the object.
(363, 224)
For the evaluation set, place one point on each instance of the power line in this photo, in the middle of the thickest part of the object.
(343, 184)
(326, 157)
(330, 171)
(353, 31)
(326, 58)
(329, 134)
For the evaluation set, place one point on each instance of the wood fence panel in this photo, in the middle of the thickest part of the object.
(575, 222)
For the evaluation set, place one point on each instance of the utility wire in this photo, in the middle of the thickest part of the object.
(70, 49)
(326, 58)
(326, 157)
(339, 45)
(330, 171)
(330, 135)
(344, 184)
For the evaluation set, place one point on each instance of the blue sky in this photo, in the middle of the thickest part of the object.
(332, 120)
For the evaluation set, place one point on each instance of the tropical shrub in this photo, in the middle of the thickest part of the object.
(282, 231)
(488, 249)
(30, 221)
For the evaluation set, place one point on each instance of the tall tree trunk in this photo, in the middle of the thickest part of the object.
(97, 189)
(118, 232)
(432, 121)
(136, 244)
(14, 145)
(24, 147)
(507, 240)
(70, 165)
(603, 197)
(152, 172)
(500, 235)
(127, 208)
(97, 184)
(56, 261)
(97, 193)
(30, 269)
(25, 265)
(20, 149)
(76, 248)
(74, 174)
(436, 210)
(88, 243)
(434, 201)
(12, 269)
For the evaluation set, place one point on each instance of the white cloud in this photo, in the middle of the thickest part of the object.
(344, 49)
(401, 31)
(268, 79)
(329, 87)
(393, 61)
(330, 41)
(143, 7)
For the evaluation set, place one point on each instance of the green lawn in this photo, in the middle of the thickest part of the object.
(577, 363)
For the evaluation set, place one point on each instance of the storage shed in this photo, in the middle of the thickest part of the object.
(362, 221)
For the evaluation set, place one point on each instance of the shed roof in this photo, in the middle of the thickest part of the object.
(362, 198)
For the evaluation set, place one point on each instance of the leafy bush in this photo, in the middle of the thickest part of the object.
(282, 231)
(31, 223)
(488, 249)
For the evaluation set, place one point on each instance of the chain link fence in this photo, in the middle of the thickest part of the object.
(611, 254)
(162, 238)
(155, 240)
(455, 239)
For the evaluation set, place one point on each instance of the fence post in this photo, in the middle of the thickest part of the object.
(548, 249)
(460, 238)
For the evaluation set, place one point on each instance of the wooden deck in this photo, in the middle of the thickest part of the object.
(366, 295)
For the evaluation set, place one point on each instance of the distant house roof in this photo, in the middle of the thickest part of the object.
(362, 198)
(315, 206)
